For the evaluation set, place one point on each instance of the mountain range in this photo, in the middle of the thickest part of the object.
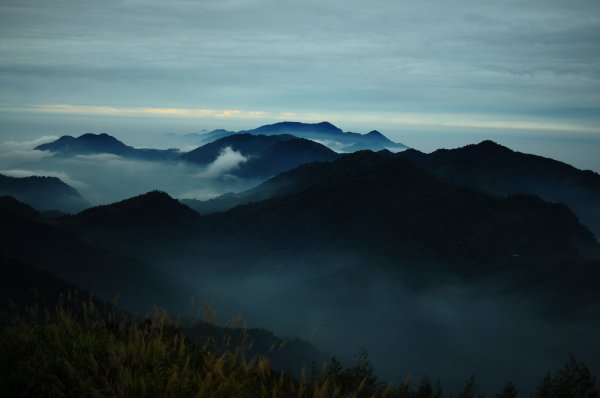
(324, 133)
(331, 136)
(33, 239)
(263, 156)
(90, 144)
(367, 205)
(44, 193)
(497, 170)
(260, 156)
(485, 167)
(377, 206)
(23, 287)
(410, 253)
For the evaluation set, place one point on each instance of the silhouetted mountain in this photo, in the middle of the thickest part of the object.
(288, 355)
(51, 246)
(90, 144)
(153, 221)
(265, 156)
(495, 169)
(378, 202)
(155, 209)
(43, 193)
(331, 136)
(23, 287)
(388, 211)
(197, 139)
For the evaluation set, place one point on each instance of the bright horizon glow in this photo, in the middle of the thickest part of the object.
(410, 119)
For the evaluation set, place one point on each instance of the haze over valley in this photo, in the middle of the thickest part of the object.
(317, 199)
(406, 254)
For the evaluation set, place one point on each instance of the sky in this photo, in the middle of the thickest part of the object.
(426, 73)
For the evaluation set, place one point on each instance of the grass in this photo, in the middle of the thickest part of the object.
(79, 350)
(95, 354)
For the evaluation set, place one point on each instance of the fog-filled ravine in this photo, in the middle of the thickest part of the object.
(477, 261)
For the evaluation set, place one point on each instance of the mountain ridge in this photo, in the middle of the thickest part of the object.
(44, 193)
(90, 144)
(326, 132)
(495, 169)
(262, 155)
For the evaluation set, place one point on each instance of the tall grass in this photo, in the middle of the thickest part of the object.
(78, 350)
(91, 353)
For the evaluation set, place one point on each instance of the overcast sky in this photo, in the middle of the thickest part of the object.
(412, 69)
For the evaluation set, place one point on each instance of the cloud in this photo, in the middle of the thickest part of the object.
(24, 145)
(15, 152)
(227, 161)
(334, 145)
(277, 56)
(105, 110)
(200, 194)
(20, 173)
(100, 157)
(107, 178)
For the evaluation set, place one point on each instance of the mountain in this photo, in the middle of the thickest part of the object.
(52, 246)
(155, 209)
(264, 156)
(152, 222)
(195, 140)
(23, 286)
(331, 136)
(495, 169)
(380, 204)
(90, 144)
(287, 183)
(383, 208)
(43, 193)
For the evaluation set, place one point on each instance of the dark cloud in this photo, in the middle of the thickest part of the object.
(258, 53)
(358, 64)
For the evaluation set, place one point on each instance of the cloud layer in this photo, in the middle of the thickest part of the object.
(277, 56)
(427, 73)
(106, 178)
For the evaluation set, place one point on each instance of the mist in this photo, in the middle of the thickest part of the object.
(449, 328)
(107, 178)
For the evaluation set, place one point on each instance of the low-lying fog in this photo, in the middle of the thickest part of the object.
(451, 331)
(105, 178)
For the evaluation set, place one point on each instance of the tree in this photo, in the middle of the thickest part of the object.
(425, 389)
(470, 390)
(573, 380)
(546, 387)
(508, 391)
(362, 374)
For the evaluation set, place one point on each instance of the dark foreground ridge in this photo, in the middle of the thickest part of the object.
(69, 343)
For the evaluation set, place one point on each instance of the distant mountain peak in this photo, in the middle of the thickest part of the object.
(488, 143)
(327, 125)
(330, 135)
(374, 133)
(266, 154)
(154, 208)
(91, 143)
(287, 126)
(100, 137)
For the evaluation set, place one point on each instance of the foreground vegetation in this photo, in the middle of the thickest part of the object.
(99, 353)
